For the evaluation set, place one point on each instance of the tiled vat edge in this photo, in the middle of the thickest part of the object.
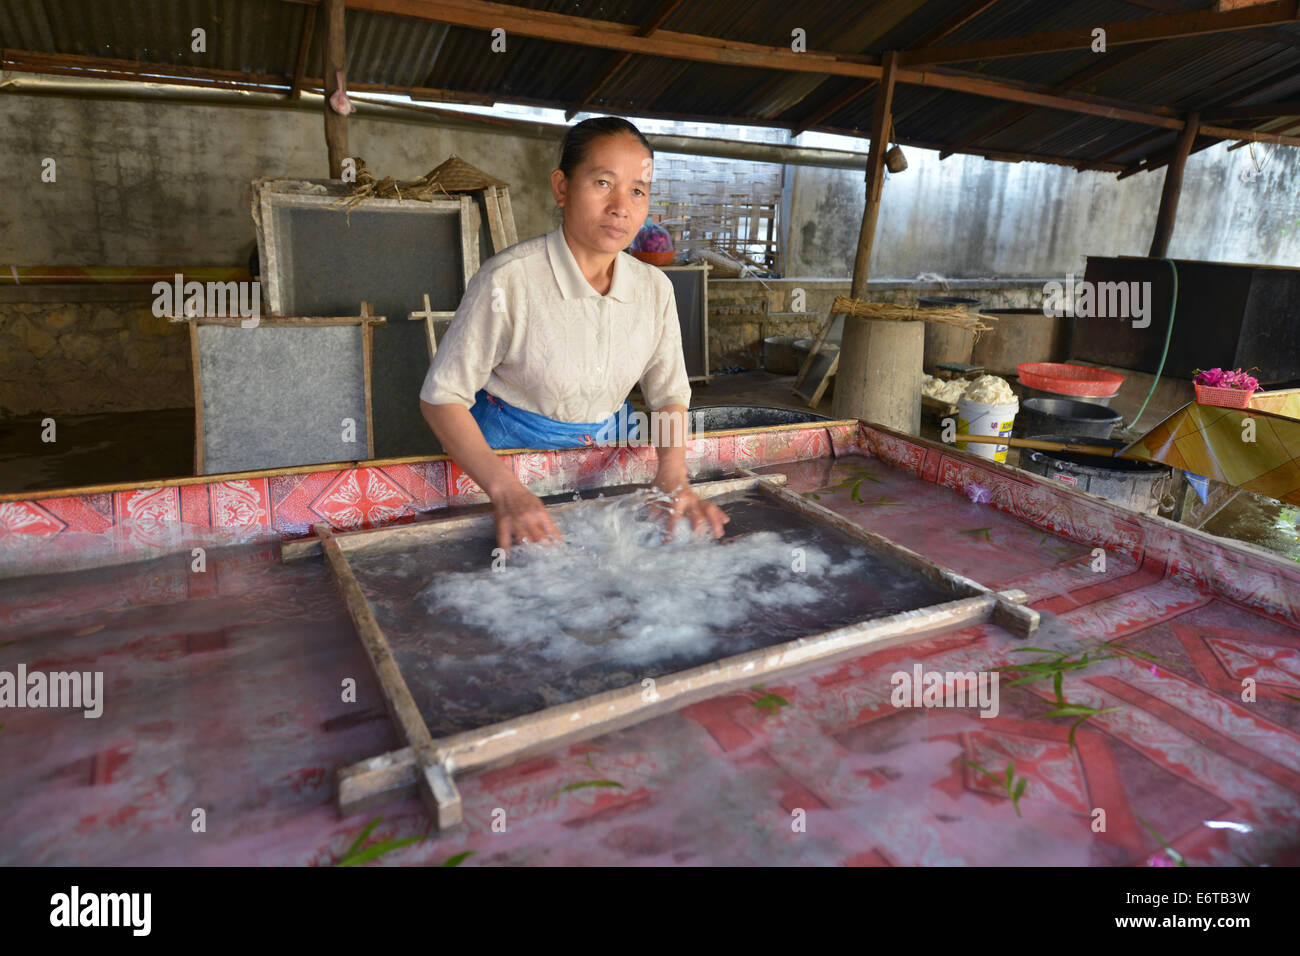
(1235, 571)
(128, 522)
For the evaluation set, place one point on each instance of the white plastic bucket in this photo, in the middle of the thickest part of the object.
(976, 418)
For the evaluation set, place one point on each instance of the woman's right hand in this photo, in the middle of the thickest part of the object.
(521, 516)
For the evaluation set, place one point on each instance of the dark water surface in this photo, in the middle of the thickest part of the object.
(463, 677)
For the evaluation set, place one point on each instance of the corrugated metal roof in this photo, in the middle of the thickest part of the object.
(262, 38)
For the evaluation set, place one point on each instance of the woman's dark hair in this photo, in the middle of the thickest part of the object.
(579, 137)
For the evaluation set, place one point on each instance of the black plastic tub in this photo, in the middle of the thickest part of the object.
(1133, 484)
(716, 418)
(1064, 416)
(1026, 392)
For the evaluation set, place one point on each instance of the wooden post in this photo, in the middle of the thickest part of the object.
(881, 122)
(335, 58)
(1173, 186)
(879, 373)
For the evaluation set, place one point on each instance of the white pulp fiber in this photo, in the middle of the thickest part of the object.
(618, 590)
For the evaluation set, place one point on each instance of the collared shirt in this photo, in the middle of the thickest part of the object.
(532, 331)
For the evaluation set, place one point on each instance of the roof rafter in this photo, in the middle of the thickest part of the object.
(959, 19)
(1006, 118)
(1170, 27)
(617, 62)
(1259, 34)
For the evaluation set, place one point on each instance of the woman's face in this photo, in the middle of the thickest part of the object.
(608, 196)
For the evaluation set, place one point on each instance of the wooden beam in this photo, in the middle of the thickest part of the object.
(1005, 156)
(108, 68)
(1251, 135)
(304, 43)
(1041, 96)
(1127, 147)
(1170, 27)
(1172, 187)
(1262, 111)
(1161, 159)
(946, 80)
(1271, 35)
(612, 35)
(1208, 136)
(880, 125)
(334, 63)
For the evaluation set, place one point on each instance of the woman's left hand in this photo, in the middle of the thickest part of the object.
(704, 516)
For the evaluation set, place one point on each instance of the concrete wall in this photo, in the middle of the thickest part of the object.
(149, 183)
(969, 217)
(744, 312)
(104, 352)
(166, 184)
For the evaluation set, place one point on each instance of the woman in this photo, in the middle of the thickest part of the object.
(553, 332)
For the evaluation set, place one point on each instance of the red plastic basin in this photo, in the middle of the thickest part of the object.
(1066, 379)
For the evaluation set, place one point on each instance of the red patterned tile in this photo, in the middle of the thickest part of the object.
(899, 452)
(1265, 663)
(638, 464)
(1225, 736)
(147, 519)
(292, 497)
(426, 481)
(844, 439)
(872, 857)
(701, 455)
(726, 459)
(750, 450)
(535, 467)
(930, 466)
(796, 444)
(1052, 767)
(362, 498)
(27, 517)
(585, 467)
(461, 488)
(196, 505)
(90, 514)
(243, 503)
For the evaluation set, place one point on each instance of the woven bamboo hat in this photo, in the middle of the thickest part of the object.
(456, 175)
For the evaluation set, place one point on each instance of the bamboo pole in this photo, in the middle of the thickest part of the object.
(1038, 443)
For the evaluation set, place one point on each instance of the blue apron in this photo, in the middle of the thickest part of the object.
(507, 426)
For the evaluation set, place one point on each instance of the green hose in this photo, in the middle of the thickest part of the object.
(1169, 334)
